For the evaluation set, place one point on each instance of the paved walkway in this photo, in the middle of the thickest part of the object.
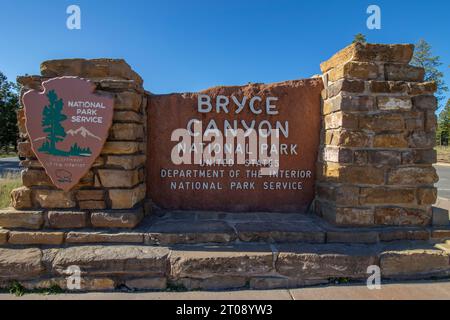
(437, 290)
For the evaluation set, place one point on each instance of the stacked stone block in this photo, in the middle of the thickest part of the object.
(377, 141)
(116, 182)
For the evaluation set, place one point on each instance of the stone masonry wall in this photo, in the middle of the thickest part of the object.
(117, 178)
(376, 154)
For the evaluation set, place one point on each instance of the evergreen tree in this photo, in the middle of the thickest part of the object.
(443, 129)
(51, 123)
(423, 57)
(361, 38)
(9, 104)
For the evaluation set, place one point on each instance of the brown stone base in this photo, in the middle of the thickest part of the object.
(69, 219)
(255, 266)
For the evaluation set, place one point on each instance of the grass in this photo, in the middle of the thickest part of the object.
(18, 290)
(9, 153)
(7, 184)
(443, 153)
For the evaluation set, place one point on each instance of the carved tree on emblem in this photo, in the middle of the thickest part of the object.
(52, 116)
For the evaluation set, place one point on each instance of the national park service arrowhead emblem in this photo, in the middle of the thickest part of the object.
(67, 124)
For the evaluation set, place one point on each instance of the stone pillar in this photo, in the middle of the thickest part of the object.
(117, 179)
(378, 134)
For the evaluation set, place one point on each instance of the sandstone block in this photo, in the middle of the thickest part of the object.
(41, 238)
(353, 174)
(400, 53)
(85, 195)
(121, 147)
(391, 103)
(21, 198)
(92, 205)
(147, 283)
(11, 218)
(336, 154)
(67, 219)
(35, 178)
(383, 157)
(425, 102)
(129, 101)
(382, 122)
(203, 264)
(425, 140)
(355, 70)
(404, 234)
(127, 116)
(390, 140)
(94, 68)
(24, 150)
(212, 283)
(348, 138)
(412, 176)
(413, 263)
(126, 162)
(328, 261)
(54, 199)
(3, 236)
(20, 264)
(127, 198)
(352, 217)
(117, 219)
(104, 237)
(118, 178)
(388, 87)
(430, 124)
(386, 196)
(132, 260)
(353, 237)
(126, 132)
(402, 72)
(345, 85)
(341, 120)
(396, 216)
(426, 196)
(423, 88)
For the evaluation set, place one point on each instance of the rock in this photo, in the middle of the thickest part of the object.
(126, 162)
(352, 237)
(147, 283)
(104, 237)
(92, 205)
(41, 238)
(390, 103)
(127, 198)
(120, 260)
(212, 283)
(414, 263)
(54, 199)
(390, 140)
(182, 232)
(399, 72)
(325, 262)
(368, 52)
(126, 132)
(11, 218)
(399, 235)
(20, 264)
(345, 85)
(24, 150)
(271, 283)
(21, 198)
(3, 236)
(120, 147)
(354, 217)
(204, 263)
(84, 195)
(117, 219)
(426, 196)
(35, 178)
(413, 176)
(128, 101)
(118, 178)
(400, 216)
(425, 102)
(127, 116)
(385, 196)
(67, 219)
(356, 70)
(381, 122)
(94, 68)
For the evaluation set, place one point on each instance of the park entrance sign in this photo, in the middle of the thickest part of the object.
(68, 125)
(286, 112)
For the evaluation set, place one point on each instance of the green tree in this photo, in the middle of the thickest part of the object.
(9, 104)
(52, 117)
(361, 38)
(443, 129)
(423, 57)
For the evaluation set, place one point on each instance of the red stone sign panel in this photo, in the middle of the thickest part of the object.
(68, 125)
(292, 107)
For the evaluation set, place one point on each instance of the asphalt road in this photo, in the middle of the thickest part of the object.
(11, 165)
(444, 181)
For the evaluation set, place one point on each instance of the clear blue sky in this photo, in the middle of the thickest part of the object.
(189, 45)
